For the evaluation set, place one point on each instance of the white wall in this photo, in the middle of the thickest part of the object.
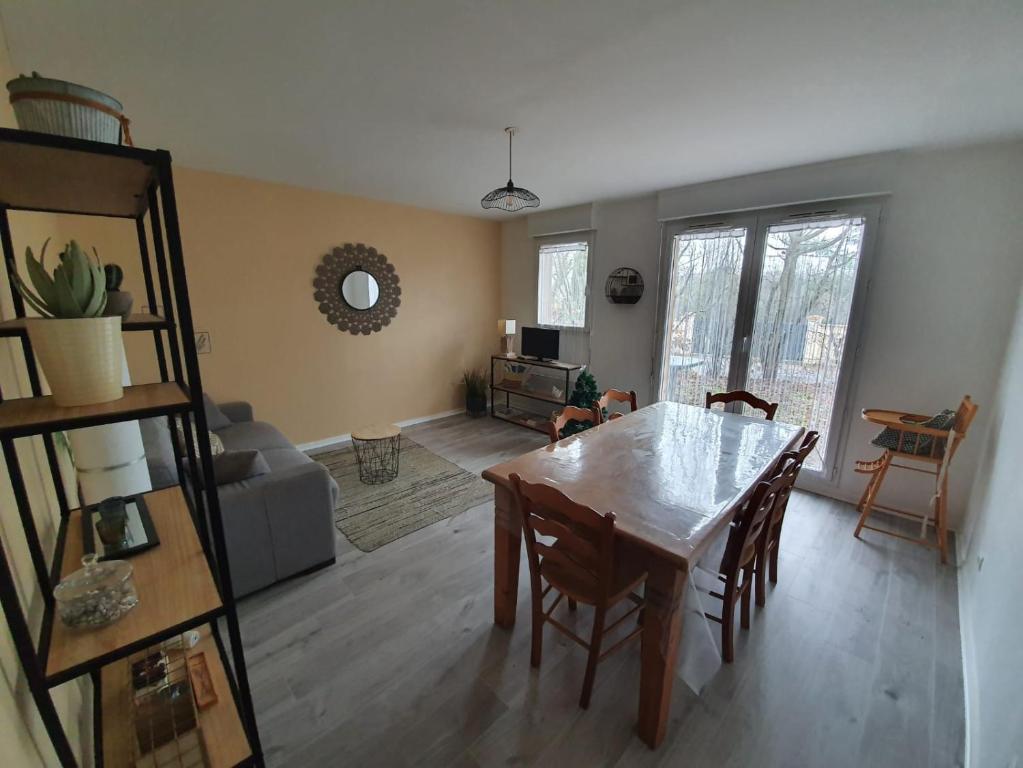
(946, 272)
(991, 614)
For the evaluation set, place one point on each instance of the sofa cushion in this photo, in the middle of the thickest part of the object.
(253, 434)
(215, 418)
(235, 466)
(156, 440)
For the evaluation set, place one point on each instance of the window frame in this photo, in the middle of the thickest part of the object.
(582, 236)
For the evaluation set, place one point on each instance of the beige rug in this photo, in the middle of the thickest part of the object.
(427, 489)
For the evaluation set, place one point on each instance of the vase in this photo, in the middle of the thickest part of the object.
(476, 405)
(119, 304)
(81, 357)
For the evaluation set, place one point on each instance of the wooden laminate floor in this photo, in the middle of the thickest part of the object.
(391, 658)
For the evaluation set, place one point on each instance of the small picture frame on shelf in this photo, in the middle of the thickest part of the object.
(118, 527)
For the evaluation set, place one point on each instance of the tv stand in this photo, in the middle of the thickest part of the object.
(512, 386)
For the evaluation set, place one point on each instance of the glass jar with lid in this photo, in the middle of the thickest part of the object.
(97, 594)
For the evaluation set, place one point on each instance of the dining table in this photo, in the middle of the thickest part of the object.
(674, 476)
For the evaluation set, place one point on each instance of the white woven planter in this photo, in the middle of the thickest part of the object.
(81, 357)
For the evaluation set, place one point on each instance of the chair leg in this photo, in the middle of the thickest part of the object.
(747, 594)
(871, 493)
(760, 569)
(572, 604)
(591, 661)
(538, 622)
(774, 562)
(728, 623)
(942, 521)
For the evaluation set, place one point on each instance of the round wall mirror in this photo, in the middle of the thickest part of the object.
(359, 289)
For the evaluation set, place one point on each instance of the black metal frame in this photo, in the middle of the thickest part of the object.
(173, 334)
(567, 368)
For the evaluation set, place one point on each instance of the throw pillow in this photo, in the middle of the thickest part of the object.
(215, 418)
(235, 466)
(216, 444)
(889, 436)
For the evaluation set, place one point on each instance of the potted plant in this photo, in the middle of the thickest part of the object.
(584, 395)
(118, 301)
(79, 349)
(47, 105)
(475, 382)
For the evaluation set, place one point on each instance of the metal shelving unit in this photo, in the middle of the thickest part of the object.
(526, 419)
(184, 583)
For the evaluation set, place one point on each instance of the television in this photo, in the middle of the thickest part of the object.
(541, 343)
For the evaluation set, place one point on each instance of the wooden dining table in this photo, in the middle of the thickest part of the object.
(673, 475)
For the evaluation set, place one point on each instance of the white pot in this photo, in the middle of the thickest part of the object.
(81, 357)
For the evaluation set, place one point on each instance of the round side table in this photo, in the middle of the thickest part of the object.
(376, 449)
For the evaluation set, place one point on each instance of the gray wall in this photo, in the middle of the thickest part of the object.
(946, 273)
(991, 613)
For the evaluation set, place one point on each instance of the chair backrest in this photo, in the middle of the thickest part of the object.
(964, 417)
(584, 538)
(754, 515)
(797, 456)
(618, 396)
(571, 413)
(741, 395)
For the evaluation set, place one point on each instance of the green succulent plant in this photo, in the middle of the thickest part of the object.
(76, 289)
(114, 275)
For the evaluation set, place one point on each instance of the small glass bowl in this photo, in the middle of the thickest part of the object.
(97, 594)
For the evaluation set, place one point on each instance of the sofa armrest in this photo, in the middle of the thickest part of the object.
(237, 411)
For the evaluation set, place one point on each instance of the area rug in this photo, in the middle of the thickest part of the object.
(427, 489)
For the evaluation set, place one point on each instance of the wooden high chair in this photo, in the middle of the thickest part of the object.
(934, 448)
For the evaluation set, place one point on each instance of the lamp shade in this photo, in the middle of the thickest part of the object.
(506, 327)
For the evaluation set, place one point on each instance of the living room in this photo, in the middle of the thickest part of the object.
(321, 247)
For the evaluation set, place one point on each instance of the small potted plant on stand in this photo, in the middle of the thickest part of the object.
(118, 302)
(79, 349)
(475, 383)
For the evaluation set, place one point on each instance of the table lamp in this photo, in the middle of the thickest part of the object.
(507, 328)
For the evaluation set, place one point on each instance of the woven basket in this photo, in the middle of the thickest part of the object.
(46, 105)
(81, 357)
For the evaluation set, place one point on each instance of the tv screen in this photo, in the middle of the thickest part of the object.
(540, 342)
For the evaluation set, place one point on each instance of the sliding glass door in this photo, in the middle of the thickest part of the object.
(768, 303)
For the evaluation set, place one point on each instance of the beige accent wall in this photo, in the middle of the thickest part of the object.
(251, 251)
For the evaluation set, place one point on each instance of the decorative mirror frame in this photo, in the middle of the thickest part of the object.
(335, 267)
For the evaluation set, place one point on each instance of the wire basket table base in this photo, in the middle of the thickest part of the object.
(378, 458)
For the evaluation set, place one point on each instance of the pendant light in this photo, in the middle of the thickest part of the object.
(509, 197)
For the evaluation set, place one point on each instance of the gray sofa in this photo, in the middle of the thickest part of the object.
(277, 524)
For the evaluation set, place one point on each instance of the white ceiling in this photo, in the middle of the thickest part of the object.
(406, 101)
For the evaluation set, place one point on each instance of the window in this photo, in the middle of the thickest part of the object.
(563, 283)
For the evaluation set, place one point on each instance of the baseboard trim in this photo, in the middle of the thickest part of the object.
(329, 442)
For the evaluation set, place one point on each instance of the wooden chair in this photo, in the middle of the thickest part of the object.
(935, 456)
(580, 564)
(770, 539)
(571, 413)
(618, 396)
(739, 560)
(742, 396)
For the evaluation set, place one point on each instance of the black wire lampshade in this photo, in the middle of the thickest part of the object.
(509, 197)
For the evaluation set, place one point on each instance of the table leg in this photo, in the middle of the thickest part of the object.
(662, 631)
(507, 540)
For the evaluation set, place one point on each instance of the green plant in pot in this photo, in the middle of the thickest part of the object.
(475, 382)
(79, 349)
(118, 302)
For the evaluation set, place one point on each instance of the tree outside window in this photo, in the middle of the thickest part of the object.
(561, 290)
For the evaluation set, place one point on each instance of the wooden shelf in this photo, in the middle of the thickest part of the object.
(223, 733)
(530, 394)
(34, 415)
(523, 419)
(142, 322)
(174, 584)
(520, 360)
(40, 172)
